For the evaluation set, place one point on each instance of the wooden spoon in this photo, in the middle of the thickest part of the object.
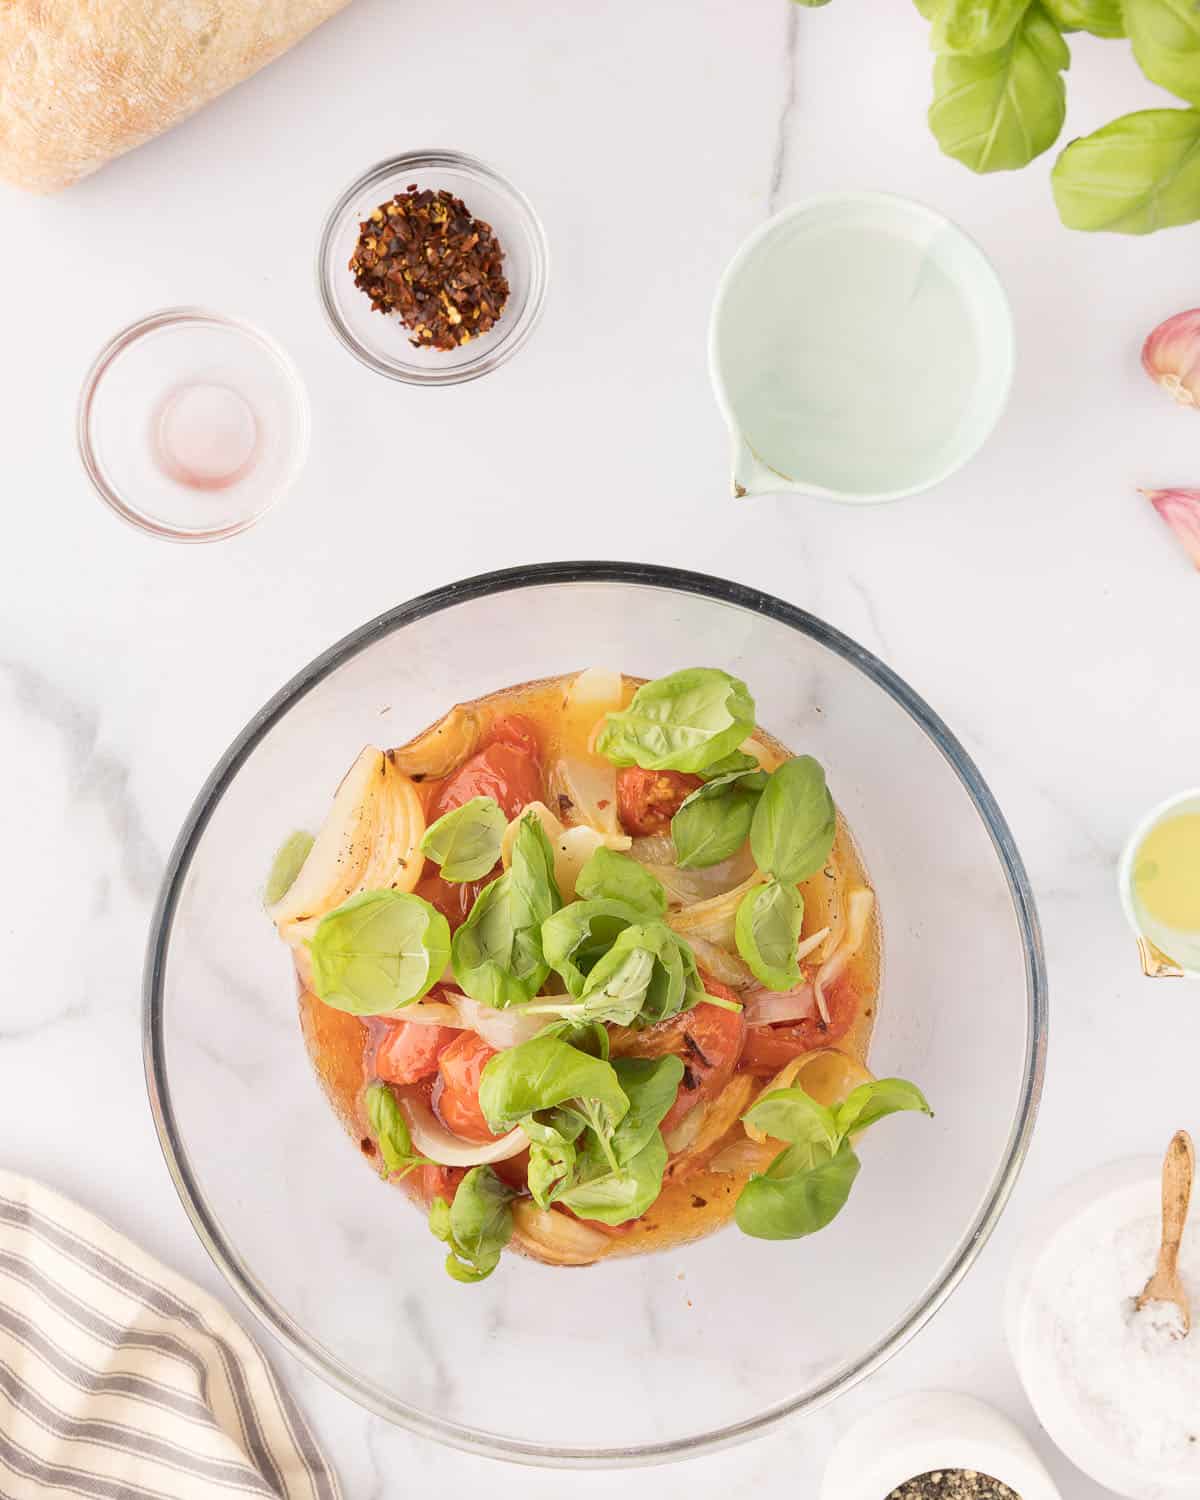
(1179, 1166)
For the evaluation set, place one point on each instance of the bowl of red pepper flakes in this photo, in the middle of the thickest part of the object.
(432, 268)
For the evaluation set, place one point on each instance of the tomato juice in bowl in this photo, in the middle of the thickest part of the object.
(636, 1358)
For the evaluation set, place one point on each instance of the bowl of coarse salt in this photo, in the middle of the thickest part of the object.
(1117, 1387)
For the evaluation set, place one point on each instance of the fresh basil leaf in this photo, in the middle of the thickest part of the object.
(1137, 174)
(618, 1195)
(793, 1116)
(767, 933)
(465, 842)
(577, 937)
(876, 1100)
(997, 111)
(551, 1160)
(673, 984)
(1100, 17)
(378, 951)
(1165, 35)
(685, 722)
(793, 1204)
(650, 1085)
(975, 26)
(476, 1226)
(287, 864)
(497, 952)
(713, 822)
(390, 1129)
(542, 1073)
(736, 760)
(610, 876)
(794, 823)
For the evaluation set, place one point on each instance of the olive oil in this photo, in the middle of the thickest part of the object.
(1166, 886)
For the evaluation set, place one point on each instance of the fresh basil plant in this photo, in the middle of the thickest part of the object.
(379, 951)
(465, 842)
(999, 101)
(684, 722)
(476, 1226)
(497, 952)
(808, 1183)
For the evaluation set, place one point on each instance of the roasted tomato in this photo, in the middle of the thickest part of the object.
(457, 1100)
(648, 800)
(408, 1051)
(768, 1048)
(437, 1182)
(708, 1039)
(453, 900)
(508, 769)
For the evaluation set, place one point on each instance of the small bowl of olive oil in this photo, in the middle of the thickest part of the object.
(1159, 877)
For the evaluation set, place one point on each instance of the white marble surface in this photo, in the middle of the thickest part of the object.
(1035, 600)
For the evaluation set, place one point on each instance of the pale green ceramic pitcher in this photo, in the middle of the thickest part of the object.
(861, 348)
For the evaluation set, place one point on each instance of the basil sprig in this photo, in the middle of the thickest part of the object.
(684, 722)
(465, 842)
(595, 1145)
(497, 952)
(807, 1185)
(379, 951)
(476, 1226)
(391, 1132)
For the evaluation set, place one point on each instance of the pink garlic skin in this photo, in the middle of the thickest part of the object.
(1180, 509)
(1171, 356)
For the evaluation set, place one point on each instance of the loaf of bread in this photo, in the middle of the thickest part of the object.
(83, 80)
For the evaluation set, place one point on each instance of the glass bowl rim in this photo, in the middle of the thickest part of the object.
(311, 1353)
(123, 339)
(500, 353)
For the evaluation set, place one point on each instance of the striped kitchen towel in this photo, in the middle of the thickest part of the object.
(121, 1381)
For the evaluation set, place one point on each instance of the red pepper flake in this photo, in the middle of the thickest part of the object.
(423, 256)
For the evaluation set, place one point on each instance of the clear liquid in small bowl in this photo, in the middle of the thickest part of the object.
(205, 435)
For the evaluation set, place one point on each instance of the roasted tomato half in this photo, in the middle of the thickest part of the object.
(508, 768)
(457, 1098)
(768, 1048)
(408, 1051)
(648, 800)
(709, 1039)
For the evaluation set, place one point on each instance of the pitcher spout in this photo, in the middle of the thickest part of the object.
(751, 476)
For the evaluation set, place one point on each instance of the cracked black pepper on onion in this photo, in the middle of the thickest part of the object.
(425, 257)
(952, 1484)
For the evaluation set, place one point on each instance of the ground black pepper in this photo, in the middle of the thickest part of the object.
(953, 1484)
(423, 256)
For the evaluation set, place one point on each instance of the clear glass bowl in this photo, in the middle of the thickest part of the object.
(192, 425)
(635, 1360)
(380, 340)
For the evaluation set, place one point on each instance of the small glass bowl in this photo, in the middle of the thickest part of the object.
(191, 425)
(380, 341)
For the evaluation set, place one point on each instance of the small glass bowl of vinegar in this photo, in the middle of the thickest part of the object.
(1159, 878)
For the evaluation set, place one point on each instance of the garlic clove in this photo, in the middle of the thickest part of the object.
(1171, 356)
(1180, 509)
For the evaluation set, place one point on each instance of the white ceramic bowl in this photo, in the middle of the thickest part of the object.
(1136, 1180)
(927, 1431)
